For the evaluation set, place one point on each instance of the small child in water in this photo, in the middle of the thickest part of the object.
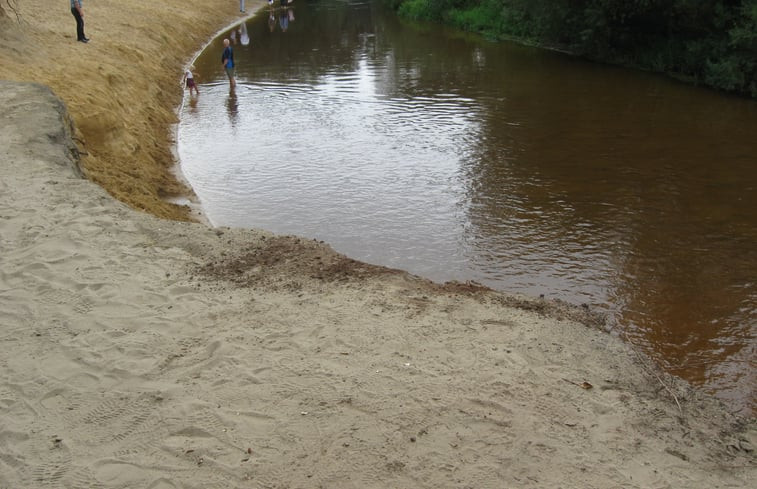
(189, 80)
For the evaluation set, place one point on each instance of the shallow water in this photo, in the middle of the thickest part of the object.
(525, 170)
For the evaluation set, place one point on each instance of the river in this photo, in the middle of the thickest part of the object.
(529, 171)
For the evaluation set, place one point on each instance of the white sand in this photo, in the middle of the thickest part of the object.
(143, 353)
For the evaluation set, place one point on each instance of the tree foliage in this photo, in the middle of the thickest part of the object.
(707, 42)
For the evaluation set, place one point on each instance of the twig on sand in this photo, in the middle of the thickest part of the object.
(582, 385)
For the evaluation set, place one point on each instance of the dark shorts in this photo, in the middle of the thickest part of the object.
(190, 82)
(230, 72)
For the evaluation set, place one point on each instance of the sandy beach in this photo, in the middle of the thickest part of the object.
(142, 349)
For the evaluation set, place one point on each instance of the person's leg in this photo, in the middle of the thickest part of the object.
(230, 74)
(241, 5)
(79, 25)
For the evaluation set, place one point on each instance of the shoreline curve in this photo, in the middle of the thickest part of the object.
(147, 352)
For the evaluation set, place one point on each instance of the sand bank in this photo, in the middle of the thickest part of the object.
(122, 88)
(143, 352)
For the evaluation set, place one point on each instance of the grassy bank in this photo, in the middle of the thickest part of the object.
(122, 88)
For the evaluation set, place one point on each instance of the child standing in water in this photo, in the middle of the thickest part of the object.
(189, 80)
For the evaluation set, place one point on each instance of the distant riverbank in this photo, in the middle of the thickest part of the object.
(706, 43)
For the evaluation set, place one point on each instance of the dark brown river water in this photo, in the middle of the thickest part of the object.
(526, 170)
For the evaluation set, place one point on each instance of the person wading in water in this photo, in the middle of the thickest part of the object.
(227, 58)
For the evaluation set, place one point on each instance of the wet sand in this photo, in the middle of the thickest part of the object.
(140, 351)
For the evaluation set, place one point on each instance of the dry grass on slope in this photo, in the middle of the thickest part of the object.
(121, 89)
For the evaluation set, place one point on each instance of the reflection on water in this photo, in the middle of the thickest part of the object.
(232, 107)
(524, 170)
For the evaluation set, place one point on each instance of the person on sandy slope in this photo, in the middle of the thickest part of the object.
(227, 59)
(77, 10)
